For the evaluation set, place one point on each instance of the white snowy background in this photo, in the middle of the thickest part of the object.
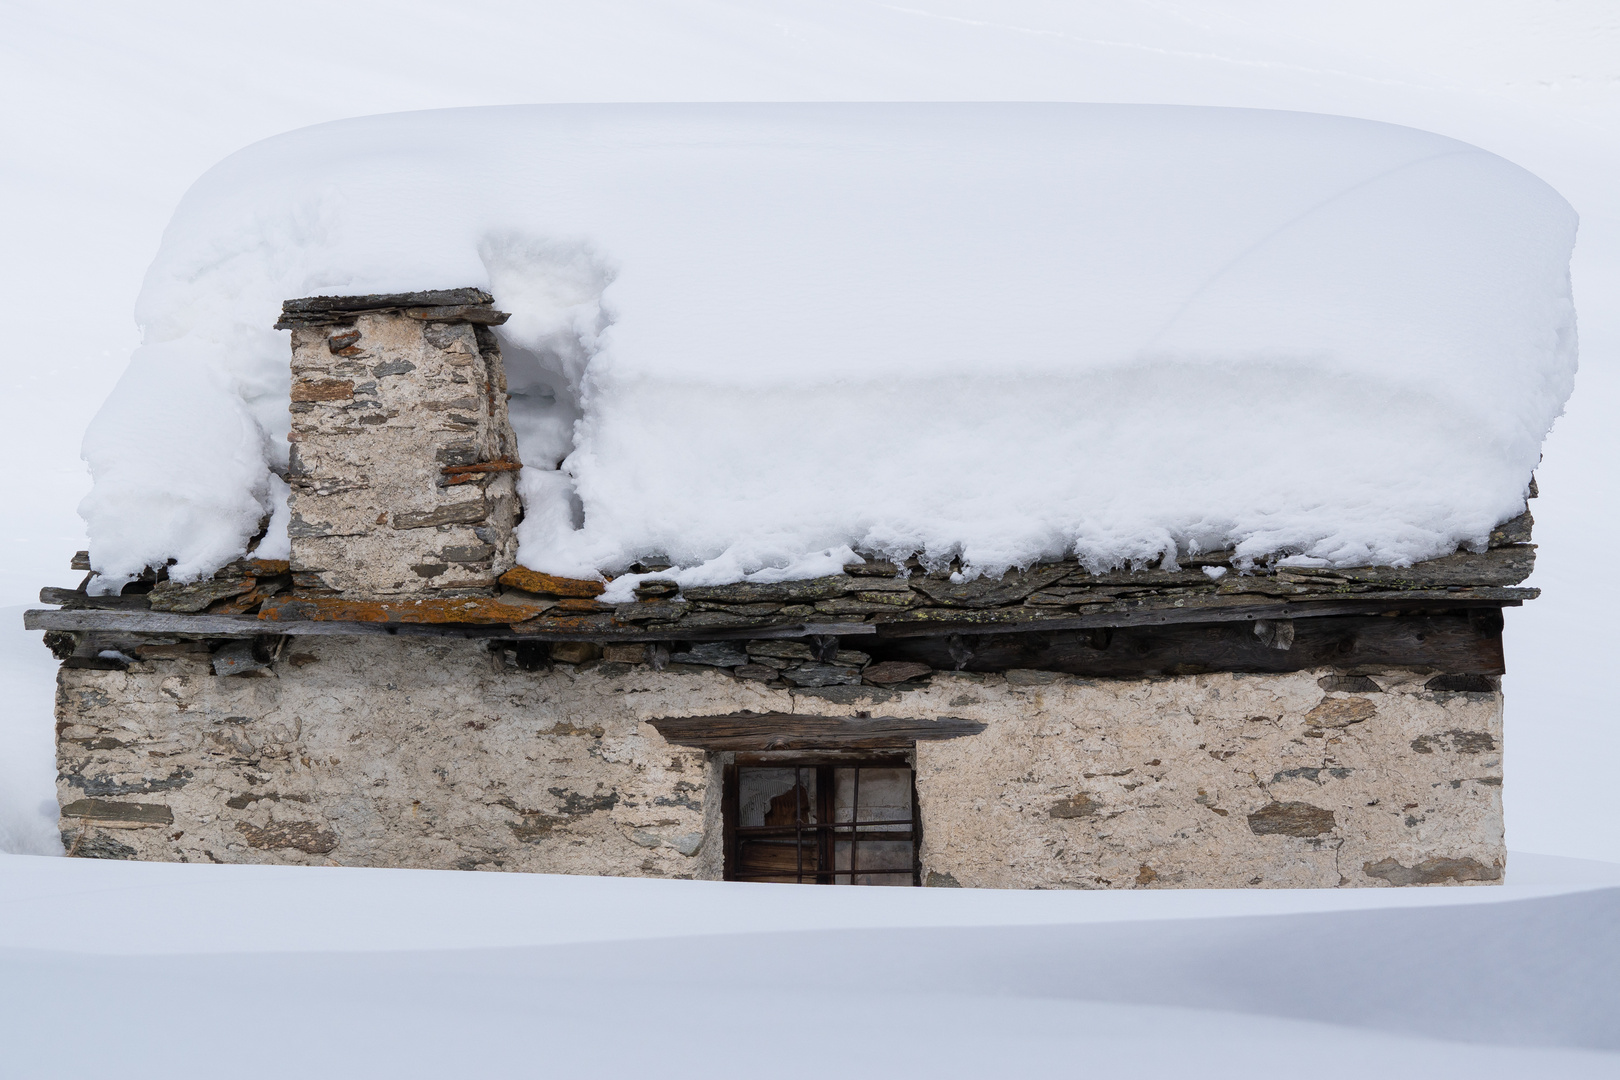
(111, 111)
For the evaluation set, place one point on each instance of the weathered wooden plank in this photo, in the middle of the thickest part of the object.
(1459, 643)
(549, 630)
(789, 731)
(162, 622)
(227, 626)
(1171, 611)
(462, 609)
(746, 633)
(73, 598)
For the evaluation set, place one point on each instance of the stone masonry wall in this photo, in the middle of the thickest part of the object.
(402, 458)
(1304, 780)
(449, 754)
(385, 752)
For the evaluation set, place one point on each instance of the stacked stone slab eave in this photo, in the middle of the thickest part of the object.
(391, 415)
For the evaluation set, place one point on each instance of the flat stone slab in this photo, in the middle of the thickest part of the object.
(321, 310)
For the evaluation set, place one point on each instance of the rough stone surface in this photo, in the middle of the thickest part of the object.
(381, 408)
(394, 751)
(1215, 781)
(1433, 871)
(895, 671)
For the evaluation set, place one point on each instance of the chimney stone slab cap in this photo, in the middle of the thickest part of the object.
(437, 305)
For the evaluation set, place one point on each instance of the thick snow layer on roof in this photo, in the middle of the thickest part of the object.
(755, 336)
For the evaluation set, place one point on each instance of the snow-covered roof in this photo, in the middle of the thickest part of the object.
(756, 337)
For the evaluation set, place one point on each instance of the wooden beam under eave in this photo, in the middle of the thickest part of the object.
(791, 731)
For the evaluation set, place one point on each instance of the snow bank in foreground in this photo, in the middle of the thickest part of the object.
(1506, 981)
(756, 336)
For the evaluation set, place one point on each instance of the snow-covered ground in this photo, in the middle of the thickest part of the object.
(272, 971)
(116, 109)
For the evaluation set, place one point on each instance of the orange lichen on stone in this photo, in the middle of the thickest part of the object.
(521, 577)
(464, 609)
(468, 474)
(322, 390)
(498, 465)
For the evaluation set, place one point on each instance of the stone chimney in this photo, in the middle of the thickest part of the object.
(403, 462)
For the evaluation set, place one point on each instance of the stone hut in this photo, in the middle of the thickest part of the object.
(401, 693)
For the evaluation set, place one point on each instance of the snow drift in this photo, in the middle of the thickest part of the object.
(753, 337)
